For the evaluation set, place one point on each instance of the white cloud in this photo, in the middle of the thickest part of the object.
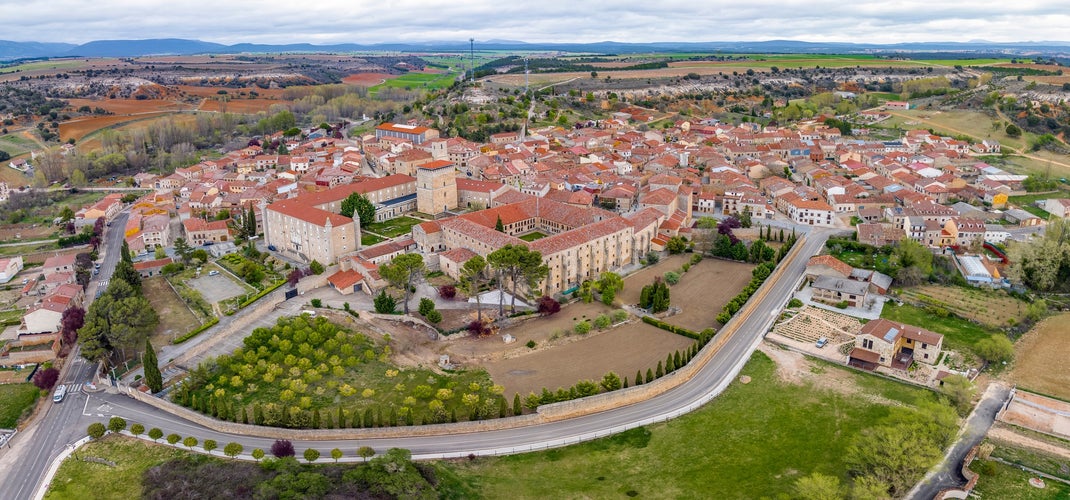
(362, 21)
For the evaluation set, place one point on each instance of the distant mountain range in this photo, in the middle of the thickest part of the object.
(175, 46)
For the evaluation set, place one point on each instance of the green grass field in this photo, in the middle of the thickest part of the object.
(533, 236)
(958, 333)
(417, 81)
(31, 66)
(753, 441)
(77, 478)
(394, 227)
(1006, 481)
(16, 400)
(368, 240)
(16, 145)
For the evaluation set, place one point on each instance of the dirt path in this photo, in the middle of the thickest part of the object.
(1002, 433)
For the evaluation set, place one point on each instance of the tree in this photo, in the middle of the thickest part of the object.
(46, 379)
(155, 433)
(518, 408)
(311, 455)
(359, 205)
(384, 304)
(473, 273)
(209, 445)
(258, 454)
(316, 268)
(125, 271)
(995, 349)
(96, 430)
(137, 429)
(282, 448)
(189, 442)
(365, 452)
(610, 382)
(960, 391)
(676, 245)
(153, 377)
(336, 454)
(173, 438)
(403, 272)
(498, 226)
(548, 306)
(233, 449)
(818, 486)
(116, 424)
(1012, 130)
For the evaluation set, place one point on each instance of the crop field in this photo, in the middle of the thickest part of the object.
(44, 65)
(242, 106)
(15, 145)
(416, 81)
(130, 106)
(1040, 363)
(367, 79)
(80, 128)
(992, 309)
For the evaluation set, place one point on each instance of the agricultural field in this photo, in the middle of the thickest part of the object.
(392, 228)
(16, 401)
(130, 106)
(417, 81)
(57, 64)
(958, 333)
(720, 450)
(281, 374)
(975, 124)
(244, 106)
(79, 128)
(16, 145)
(989, 308)
(175, 317)
(367, 79)
(1041, 359)
(77, 479)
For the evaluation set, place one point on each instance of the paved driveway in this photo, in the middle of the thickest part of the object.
(217, 288)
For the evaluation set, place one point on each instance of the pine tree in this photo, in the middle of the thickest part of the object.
(638, 377)
(153, 378)
(517, 408)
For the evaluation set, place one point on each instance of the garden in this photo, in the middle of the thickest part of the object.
(993, 309)
(311, 373)
(392, 228)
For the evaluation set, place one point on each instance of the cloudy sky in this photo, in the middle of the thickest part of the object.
(366, 21)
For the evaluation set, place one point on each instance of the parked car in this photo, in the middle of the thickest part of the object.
(57, 396)
(822, 342)
(213, 273)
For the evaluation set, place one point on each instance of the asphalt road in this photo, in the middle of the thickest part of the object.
(24, 465)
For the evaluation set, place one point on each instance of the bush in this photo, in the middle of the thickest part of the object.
(282, 448)
(842, 304)
(316, 267)
(672, 277)
(317, 303)
(173, 438)
(137, 429)
(46, 379)
(547, 306)
(447, 292)
(602, 322)
(795, 303)
(479, 328)
(311, 455)
(385, 304)
(531, 344)
(96, 430)
(155, 433)
(619, 315)
(193, 333)
(582, 328)
(434, 317)
(426, 306)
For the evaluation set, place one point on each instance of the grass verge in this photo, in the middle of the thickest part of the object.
(16, 400)
(78, 478)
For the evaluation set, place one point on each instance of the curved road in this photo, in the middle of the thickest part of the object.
(710, 381)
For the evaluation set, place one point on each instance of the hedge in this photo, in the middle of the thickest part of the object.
(193, 333)
(262, 293)
(679, 330)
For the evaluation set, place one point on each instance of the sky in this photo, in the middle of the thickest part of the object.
(563, 21)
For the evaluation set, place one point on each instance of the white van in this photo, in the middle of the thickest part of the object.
(57, 396)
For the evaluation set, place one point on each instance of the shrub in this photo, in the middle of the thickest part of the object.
(137, 429)
(173, 438)
(189, 442)
(46, 379)
(795, 303)
(479, 328)
(282, 448)
(233, 449)
(842, 304)
(312, 454)
(531, 344)
(317, 303)
(619, 315)
(385, 304)
(209, 445)
(426, 306)
(316, 267)
(447, 292)
(434, 317)
(582, 328)
(602, 321)
(672, 277)
(652, 258)
(96, 430)
(155, 433)
(547, 306)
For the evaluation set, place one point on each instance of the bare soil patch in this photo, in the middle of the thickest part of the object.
(701, 293)
(10, 232)
(540, 329)
(1041, 361)
(367, 79)
(795, 368)
(128, 106)
(623, 350)
(77, 129)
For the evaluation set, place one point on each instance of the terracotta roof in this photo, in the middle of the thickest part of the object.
(345, 279)
(880, 328)
(364, 186)
(407, 129)
(298, 210)
(827, 260)
(435, 165)
(459, 255)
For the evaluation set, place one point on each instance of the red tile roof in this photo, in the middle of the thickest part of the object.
(435, 165)
(298, 210)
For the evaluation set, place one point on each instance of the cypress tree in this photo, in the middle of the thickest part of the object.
(244, 415)
(649, 375)
(393, 418)
(453, 415)
(258, 414)
(625, 384)
(660, 372)
(316, 419)
(328, 420)
(638, 377)
(669, 364)
(517, 408)
(676, 360)
(368, 418)
(503, 408)
(341, 418)
(153, 378)
(781, 235)
(355, 423)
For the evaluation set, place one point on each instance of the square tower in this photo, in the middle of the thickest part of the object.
(436, 187)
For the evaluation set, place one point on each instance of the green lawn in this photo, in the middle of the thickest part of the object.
(78, 479)
(533, 236)
(368, 240)
(416, 81)
(958, 333)
(753, 441)
(394, 227)
(15, 401)
(1010, 482)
